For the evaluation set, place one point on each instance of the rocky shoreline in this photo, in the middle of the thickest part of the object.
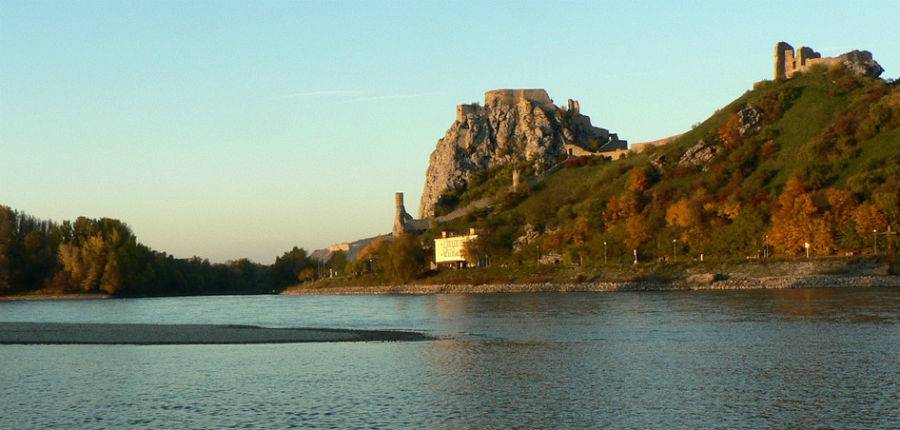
(696, 282)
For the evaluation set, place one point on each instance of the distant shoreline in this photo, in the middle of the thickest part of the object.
(830, 272)
(732, 284)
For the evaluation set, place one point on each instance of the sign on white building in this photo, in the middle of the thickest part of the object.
(450, 249)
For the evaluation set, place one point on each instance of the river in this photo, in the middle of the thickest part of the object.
(806, 358)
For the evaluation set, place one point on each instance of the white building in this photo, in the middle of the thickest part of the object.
(448, 249)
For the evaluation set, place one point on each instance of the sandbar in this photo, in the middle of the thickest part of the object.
(33, 333)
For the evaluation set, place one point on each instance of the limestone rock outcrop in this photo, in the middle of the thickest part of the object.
(699, 155)
(861, 62)
(513, 126)
(749, 120)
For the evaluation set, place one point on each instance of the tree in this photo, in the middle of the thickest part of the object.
(796, 220)
(639, 181)
(636, 231)
(7, 226)
(729, 131)
(338, 261)
(869, 217)
(683, 214)
(287, 267)
(111, 282)
(405, 258)
(371, 257)
(307, 274)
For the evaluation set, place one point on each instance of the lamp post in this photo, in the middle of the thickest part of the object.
(673, 250)
(604, 252)
(875, 242)
(766, 247)
(806, 245)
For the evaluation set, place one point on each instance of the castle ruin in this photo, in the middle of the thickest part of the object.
(403, 221)
(505, 97)
(789, 62)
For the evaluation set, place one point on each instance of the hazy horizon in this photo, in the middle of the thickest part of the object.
(229, 130)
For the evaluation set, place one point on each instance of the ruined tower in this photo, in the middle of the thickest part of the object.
(784, 53)
(400, 215)
(404, 222)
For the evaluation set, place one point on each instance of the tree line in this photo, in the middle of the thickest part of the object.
(103, 256)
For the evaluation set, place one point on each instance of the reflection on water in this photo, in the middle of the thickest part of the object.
(813, 358)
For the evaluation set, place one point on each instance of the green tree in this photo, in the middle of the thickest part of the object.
(405, 258)
(289, 265)
(338, 262)
(7, 220)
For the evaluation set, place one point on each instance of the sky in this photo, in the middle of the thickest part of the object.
(229, 129)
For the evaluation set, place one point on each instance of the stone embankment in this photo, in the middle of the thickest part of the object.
(694, 282)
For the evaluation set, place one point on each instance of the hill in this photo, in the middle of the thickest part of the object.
(812, 159)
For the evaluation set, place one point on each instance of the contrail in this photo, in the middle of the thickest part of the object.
(321, 93)
(390, 96)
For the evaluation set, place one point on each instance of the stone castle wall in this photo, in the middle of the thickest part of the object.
(467, 109)
(789, 62)
(510, 97)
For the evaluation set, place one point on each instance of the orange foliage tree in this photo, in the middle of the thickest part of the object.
(639, 181)
(869, 217)
(637, 231)
(729, 131)
(796, 221)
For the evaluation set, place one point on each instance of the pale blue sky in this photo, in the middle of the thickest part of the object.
(226, 129)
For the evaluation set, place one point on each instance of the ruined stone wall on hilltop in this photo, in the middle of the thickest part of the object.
(506, 96)
(789, 62)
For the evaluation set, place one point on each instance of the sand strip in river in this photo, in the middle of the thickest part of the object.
(184, 334)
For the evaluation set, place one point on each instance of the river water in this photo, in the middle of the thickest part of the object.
(809, 358)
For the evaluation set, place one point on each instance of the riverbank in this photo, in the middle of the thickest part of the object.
(825, 273)
(772, 282)
(184, 334)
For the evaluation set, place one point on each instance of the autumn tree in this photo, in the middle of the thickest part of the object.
(639, 180)
(869, 217)
(371, 257)
(729, 131)
(796, 220)
(637, 231)
(684, 214)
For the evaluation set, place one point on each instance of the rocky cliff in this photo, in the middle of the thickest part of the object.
(512, 126)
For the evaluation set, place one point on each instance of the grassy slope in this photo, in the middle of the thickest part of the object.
(808, 116)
